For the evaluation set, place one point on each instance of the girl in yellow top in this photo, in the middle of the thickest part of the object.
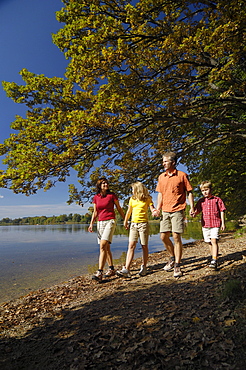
(138, 209)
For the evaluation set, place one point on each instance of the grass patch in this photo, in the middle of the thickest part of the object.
(232, 225)
(232, 290)
(240, 232)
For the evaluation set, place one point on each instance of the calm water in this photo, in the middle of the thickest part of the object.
(34, 257)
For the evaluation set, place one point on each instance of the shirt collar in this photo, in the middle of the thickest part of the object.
(174, 173)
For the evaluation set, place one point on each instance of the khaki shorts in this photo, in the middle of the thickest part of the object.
(172, 221)
(105, 230)
(139, 230)
(210, 233)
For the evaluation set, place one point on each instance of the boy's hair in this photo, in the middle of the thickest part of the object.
(206, 185)
(139, 191)
(99, 183)
(171, 155)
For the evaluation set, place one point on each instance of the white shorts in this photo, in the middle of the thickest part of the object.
(105, 230)
(210, 233)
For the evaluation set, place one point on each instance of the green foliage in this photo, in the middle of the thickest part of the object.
(142, 77)
(232, 290)
(224, 166)
(232, 225)
(223, 160)
(240, 232)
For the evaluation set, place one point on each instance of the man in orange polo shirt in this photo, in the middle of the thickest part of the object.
(173, 186)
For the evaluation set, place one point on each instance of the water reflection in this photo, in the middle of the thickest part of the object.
(192, 229)
(38, 256)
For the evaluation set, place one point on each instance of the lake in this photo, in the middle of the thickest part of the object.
(36, 257)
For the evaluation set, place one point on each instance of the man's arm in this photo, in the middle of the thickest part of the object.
(191, 201)
(156, 213)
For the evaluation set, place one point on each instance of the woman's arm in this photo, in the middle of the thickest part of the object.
(93, 218)
(119, 209)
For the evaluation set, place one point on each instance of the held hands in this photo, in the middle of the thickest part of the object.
(155, 213)
(126, 225)
(192, 213)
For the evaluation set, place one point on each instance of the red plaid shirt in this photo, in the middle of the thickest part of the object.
(210, 208)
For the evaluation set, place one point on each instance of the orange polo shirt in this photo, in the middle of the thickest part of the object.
(173, 188)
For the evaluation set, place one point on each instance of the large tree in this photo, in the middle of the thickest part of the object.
(142, 78)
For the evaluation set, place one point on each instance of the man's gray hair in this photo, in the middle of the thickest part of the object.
(171, 155)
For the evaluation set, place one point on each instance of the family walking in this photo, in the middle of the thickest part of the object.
(173, 189)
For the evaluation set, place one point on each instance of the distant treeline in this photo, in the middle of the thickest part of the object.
(43, 220)
(62, 219)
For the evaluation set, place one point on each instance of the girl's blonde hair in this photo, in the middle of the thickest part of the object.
(139, 191)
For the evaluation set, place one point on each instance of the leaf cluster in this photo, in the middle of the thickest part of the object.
(142, 78)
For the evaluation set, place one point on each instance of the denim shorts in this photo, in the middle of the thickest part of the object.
(139, 230)
(105, 230)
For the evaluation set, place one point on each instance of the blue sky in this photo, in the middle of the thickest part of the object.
(26, 27)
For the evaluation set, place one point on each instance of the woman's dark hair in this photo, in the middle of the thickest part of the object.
(99, 183)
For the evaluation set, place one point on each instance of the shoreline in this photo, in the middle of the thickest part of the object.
(87, 276)
(29, 274)
(136, 262)
(157, 320)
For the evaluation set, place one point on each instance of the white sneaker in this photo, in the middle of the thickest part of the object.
(169, 265)
(177, 272)
(123, 273)
(213, 264)
(97, 276)
(143, 270)
(109, 273)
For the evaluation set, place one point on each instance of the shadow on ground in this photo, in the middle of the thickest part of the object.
(174, 324)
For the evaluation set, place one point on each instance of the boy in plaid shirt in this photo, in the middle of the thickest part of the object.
(213, 219)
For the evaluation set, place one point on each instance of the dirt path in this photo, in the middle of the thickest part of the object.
(153, 322)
